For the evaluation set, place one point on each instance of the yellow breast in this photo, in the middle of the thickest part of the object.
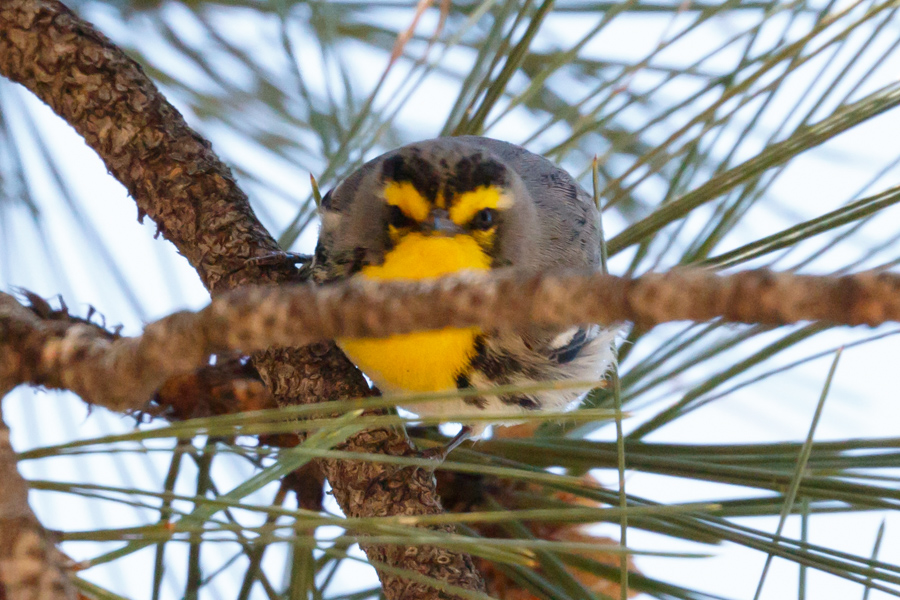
(424, 361)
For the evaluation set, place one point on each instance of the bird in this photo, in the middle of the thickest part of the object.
(455, 205)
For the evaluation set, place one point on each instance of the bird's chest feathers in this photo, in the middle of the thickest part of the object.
(421, 361)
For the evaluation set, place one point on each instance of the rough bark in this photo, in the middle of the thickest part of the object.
(171, 172)
(176, 179)
(123, 373)
(31, 568)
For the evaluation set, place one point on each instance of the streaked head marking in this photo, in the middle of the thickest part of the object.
(469, 196)
(468, 204)
(407, 198)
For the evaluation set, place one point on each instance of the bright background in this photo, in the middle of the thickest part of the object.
(66, 227)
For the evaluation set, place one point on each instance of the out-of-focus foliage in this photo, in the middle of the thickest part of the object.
(731, 134)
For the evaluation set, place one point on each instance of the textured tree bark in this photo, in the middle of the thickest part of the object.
(31, 568)
(122, 373)
(176, 180)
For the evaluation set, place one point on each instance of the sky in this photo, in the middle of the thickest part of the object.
(154, 280)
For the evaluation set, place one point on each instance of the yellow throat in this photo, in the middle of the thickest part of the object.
(423, 361)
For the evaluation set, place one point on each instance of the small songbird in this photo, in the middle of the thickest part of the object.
(452, 205)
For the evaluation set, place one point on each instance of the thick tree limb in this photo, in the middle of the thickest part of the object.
(178, 181)
(122, 373)
(172, 173)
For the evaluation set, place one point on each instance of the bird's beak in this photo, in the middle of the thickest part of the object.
(440, 222)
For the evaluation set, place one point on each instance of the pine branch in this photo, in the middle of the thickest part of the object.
(176, 179)
(123, 373)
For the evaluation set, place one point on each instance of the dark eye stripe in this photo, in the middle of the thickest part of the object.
(397, 218)
(484, 219)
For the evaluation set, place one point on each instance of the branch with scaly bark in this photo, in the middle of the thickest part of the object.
(39, 348)
(123, 373)
(176, 180)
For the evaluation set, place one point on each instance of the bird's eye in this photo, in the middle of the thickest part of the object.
(397, 218)
(484, 219)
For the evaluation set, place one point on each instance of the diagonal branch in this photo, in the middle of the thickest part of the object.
(171, 172)
(176, 179)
